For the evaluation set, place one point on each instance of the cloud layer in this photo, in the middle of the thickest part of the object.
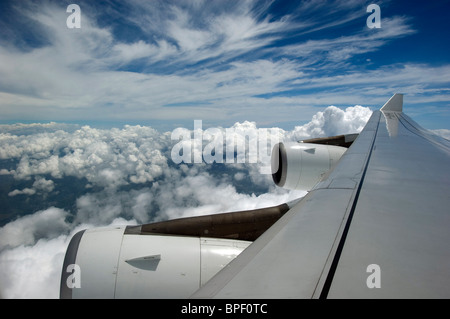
(127, 176)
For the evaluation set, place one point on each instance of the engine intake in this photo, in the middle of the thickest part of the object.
(300, 165)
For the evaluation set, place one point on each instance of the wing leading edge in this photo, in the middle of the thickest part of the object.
(383, 207)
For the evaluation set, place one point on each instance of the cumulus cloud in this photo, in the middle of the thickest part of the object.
(333, 121)
(40, 185)
(127, 176)
(4, 171)
(108, 158)
(33, 269)
(44, 185)
(29, 229)
(25, 191)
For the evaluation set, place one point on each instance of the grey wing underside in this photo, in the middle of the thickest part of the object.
(385, 205)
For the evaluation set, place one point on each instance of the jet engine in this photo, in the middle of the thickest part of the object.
(166, 259)
(299, 165)
(117, 262)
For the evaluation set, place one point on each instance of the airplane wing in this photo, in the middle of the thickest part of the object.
(376, 226)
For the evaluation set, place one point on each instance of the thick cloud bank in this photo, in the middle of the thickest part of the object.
(59, 179)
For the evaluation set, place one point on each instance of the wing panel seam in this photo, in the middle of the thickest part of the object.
(335, 262)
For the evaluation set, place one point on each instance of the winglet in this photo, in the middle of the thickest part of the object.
(395, 103)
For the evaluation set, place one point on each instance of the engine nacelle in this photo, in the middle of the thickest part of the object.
(302, 165)
(112, 263)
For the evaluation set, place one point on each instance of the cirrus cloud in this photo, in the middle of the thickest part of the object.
(227, 61)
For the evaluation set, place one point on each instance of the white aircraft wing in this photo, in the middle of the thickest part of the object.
(377, 226)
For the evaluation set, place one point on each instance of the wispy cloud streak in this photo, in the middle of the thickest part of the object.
(206, 58)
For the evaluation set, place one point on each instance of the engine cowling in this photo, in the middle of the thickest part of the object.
(298, 165)
(112, 263)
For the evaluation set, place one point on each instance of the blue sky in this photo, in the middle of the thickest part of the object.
(166, 63)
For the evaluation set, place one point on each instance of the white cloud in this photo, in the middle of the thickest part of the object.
(239, 176)
(100, 156)
(333, 121)
(339, 50)
(43, 185)
(40, 186)
(29, 229)
(5, 172)
(442, 133)
(33, 271)
(142, 206)
(25, 191)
